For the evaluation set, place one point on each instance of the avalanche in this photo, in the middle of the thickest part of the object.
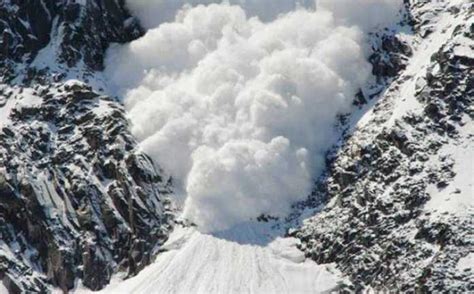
(238, 105)
(249, 258)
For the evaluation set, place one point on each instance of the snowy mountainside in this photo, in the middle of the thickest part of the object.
(80, 30)
(74, 191)
(83, 208)
(397, 197)
(249, 258)
(77, 199)
(399, 215)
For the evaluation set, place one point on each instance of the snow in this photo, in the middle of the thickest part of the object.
(458, 197)
(368, 13)
(102, 109)
(166, 82)
(416, 70)
(400, 96)
(5, 110)
(155, 12)
(16, 100)
(250, 258)
(29, 99)
(240, 111)
(3, 289)
(47, 59)
(54, 205)
(466, 262)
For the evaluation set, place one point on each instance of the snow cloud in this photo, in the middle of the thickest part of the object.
(152, 13)
(237, 102)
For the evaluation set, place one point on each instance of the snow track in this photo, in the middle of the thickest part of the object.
(236, 261)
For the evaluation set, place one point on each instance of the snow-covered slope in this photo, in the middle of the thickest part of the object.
(250, 258)
(81, 204)
(73, 189)
(397, 196)
(77, 199)
(400, 188)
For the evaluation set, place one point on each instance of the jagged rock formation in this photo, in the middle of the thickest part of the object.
(83, 30)
(380, 224)
(77, 199)
(75, 196)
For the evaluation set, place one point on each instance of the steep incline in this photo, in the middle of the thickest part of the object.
(80, 30)
(77, 199)
(400, 211)
(79, 202)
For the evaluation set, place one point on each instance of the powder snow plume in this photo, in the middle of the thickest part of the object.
(238, 102)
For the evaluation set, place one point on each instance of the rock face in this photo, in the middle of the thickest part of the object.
(82, 30)
(384, 224)
(77, 199)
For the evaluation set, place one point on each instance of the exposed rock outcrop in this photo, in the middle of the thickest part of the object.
(81, 30)
(77, 199)
(378, 225)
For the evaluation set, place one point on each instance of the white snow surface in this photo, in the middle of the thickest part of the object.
(5, 109)
(3, 289)
(458, 196)
(466, 262)
(239, 110)
(16, 100)
(246, 259)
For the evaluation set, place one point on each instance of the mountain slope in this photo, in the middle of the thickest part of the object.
(82, 207)
(250, 258)
(397, 195)
(77, 199)
(399, 213)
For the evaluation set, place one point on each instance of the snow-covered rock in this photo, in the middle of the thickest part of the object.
(78, 200)
(399, 190)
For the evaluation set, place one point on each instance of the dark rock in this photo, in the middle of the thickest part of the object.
(88, 233)
(433, 111)
(87, 29)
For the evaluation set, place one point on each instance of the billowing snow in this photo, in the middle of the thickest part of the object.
(366, 13)
(240, 111)
(155, 12)
(246, 259)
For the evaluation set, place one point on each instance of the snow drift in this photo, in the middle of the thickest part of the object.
(237, 102)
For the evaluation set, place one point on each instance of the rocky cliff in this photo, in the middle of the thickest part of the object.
(77, 199)
(397, 200)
